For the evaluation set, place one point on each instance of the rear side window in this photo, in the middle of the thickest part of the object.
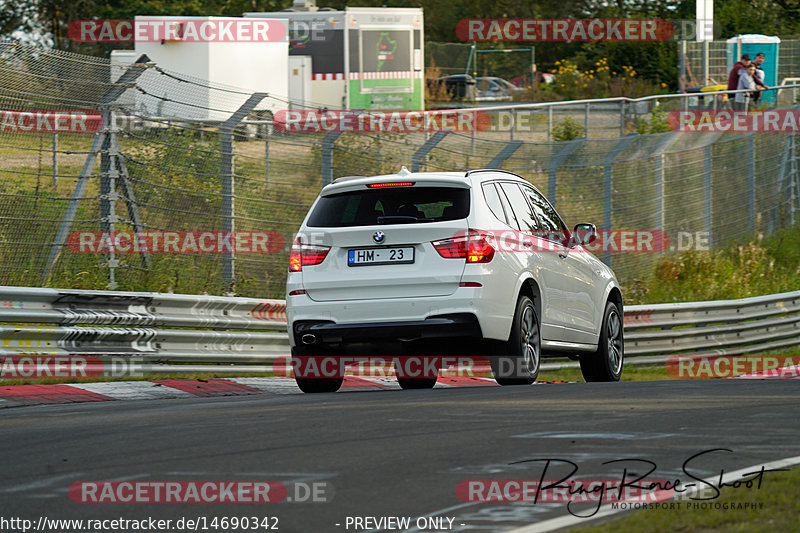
(525, 216)
(401, 205)
(494, 202)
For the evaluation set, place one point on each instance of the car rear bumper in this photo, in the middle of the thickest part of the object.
(403, 318)
(436, 327)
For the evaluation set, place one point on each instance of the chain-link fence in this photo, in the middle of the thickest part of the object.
(707, 63)
(161, 182)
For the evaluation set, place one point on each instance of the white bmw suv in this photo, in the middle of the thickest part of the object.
(439, 262)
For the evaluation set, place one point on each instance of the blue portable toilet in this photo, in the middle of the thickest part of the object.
(753, 44)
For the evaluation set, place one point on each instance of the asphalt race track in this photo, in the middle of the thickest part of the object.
(389, 453)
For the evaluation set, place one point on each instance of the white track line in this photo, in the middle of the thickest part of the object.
(275, 385)
(786, 372)
(132, 390)
(607, 510)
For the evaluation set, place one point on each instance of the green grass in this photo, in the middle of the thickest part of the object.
(763, 266)
(777, 506)
(652, 372)
(629, 373)
(146, 377)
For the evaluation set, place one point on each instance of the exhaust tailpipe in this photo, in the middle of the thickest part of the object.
(308, 338)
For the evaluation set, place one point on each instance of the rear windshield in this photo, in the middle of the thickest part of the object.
(392, 205)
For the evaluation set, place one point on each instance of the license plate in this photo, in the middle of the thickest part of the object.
(380, 256)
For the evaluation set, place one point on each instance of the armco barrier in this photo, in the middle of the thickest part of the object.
(176, 328)
(216, 329)
(721, 327)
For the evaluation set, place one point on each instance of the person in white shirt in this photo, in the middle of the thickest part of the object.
(746, 81)
(759, 59)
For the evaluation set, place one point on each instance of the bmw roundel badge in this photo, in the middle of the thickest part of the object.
(378, 237)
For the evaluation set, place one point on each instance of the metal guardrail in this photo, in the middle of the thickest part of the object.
(160, 329)
(722, 327)
(217, 329)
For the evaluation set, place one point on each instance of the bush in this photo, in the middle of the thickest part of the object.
(568, 129)
(657, 123)
(764, 266)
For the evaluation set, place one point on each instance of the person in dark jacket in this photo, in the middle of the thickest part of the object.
(733, 75)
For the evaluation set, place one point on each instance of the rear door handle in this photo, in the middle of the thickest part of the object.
(562, 255)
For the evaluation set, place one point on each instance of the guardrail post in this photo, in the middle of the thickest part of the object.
(422, 151)
(556, 161)
(100, 138)
(751, 181)
(108, 192)
(622, 118)
(327, 156)
(227, 170)
(774, 219)
(266, 153)
(608, 185)
(708, 169)
(658, 176)
(55, 161)
(549, 123)
(586, 121)
(793, 180)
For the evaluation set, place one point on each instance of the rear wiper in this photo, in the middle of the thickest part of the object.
(400, 219)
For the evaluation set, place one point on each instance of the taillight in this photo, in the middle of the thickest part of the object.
(480, 250)
(475, 247)
(306, 255)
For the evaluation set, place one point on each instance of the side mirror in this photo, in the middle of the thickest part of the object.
(584, 234)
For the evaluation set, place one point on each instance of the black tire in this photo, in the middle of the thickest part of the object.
(606, 363)
(519, 363)
(416, 383)
(313, 384)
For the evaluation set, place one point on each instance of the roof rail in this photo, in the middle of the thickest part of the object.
(491, 170)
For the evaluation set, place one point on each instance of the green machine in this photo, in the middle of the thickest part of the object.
(361, 58)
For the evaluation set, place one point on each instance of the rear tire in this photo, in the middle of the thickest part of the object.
(313, 384)
(422, 379)
(606, 363)
(520, 361)
(416, 383)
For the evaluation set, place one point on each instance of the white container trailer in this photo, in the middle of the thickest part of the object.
(221, 65)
